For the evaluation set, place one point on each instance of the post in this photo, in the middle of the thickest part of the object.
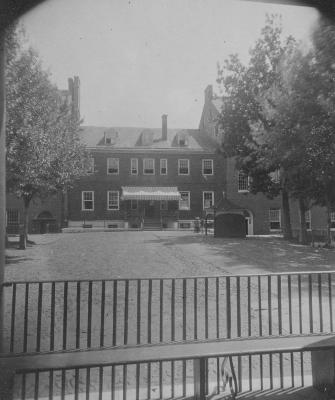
(199, 376)
(323, 368)
(6, 384)
(2, 174)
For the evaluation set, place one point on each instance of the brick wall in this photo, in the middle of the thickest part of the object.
(100, 182)
(259, 205)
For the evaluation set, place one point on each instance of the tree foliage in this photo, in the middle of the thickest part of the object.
(44, 152)
(286, 100)
(246, 118)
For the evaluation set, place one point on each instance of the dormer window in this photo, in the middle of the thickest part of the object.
(111, 137)
(182, 139)
(147, 137)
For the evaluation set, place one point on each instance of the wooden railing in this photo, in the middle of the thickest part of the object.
(169, 370)
(61, 315)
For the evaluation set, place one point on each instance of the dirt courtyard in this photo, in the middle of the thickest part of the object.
(145, 255)
(110, 255)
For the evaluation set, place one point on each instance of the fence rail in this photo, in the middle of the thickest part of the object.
(61, 315)
(163, 380)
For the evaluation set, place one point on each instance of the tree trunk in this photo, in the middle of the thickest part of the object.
(328, 235)
(26, 201)
(303, 228)
(287, 228)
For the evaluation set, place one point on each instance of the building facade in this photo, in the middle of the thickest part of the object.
(142, 178)
(157, 179)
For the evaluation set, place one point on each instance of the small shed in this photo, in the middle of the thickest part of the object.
(230, 225)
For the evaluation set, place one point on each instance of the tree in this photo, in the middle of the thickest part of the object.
(304, 112)
(44, 152)
(279, 113)
(245, 118)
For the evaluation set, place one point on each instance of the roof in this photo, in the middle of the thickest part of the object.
(150, 193)
(130, 138)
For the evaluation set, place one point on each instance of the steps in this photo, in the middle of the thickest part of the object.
(152, 224)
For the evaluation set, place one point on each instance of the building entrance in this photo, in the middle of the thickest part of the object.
(149, 209)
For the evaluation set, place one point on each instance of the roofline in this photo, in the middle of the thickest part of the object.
(148, 149)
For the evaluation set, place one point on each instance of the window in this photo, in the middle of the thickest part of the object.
(112, 166)
(243, 182)
(275, 176)
(90, 169)
(274, 217)
(133, 204)
(207, 199)
(332, 220)
(112, 200)
(164, 205)
(134, 166)
(87, 201)
(308, 219)
(12, 216)
(184, 202)
(148, 166)
(207, 167)
(183, 167)
(163, 166)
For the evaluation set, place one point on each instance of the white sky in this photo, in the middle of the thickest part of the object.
(137, 60)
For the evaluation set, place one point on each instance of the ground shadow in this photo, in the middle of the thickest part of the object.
(16, 259)
(306, 393)
(271, 254)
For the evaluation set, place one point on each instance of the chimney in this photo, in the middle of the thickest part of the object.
(76, 96)
(164, 127)
(208, 93)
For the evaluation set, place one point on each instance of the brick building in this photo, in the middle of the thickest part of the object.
(158, 178)
(165, 178)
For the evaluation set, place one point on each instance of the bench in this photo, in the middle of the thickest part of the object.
(199, 351)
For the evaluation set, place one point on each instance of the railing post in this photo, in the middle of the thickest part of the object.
(199, 372)
(323, 367)
(6, 384)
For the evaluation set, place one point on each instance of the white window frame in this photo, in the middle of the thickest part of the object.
(90, 169)
(275, 176)
(132, 202)
(188, 166)
(203, 167)
(275, 220)
(109, 200)
(134, 167)
(332, 220)
(108, 166)
(153, 166)
(161, 162)
(83, 208)
(188, 207)
(12, 216)
(246, 179)
(203, 199)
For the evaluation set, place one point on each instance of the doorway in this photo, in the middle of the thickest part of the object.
(249, 223)
(149, 209)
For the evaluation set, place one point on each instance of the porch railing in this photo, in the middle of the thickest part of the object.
(60, 315)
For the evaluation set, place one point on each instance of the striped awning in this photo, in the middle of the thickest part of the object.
(150, 193)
